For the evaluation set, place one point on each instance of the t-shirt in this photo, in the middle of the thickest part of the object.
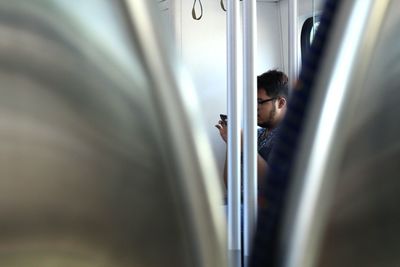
(265, 142)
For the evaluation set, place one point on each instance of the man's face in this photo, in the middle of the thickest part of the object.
(266, 110)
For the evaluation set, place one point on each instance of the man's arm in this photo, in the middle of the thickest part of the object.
(262, 165)
(262, 168)
(226, 169)
(223, 131)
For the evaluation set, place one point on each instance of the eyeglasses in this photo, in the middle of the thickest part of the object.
(260, 102)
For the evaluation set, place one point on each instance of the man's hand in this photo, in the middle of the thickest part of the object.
(223, 130)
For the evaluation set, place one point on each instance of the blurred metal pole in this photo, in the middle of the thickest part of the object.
(293, 41)
(234, 237)
(249, 118)
(340, 79)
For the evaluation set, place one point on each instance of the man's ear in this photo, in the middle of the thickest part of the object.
(281, 102)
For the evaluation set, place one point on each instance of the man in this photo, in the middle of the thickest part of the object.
(272, 94)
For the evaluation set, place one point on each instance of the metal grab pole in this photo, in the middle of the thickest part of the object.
(234, 236)
(249, 118)
(293, 42)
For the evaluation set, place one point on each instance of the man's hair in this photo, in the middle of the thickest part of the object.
(274, 82)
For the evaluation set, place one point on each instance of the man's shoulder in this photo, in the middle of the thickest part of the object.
(261, 130)
(275, 132)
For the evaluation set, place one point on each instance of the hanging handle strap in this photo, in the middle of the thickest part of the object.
(194, 16)
(222, 5)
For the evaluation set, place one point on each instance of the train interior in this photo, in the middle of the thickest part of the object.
(109, 153)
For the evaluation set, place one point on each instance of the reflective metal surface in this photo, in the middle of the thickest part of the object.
(249, 126)
(363, 225)
(233, 144)
(345, 212)
(90, 173)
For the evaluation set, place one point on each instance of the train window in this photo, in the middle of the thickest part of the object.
(307, 33)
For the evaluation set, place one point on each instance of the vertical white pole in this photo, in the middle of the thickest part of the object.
(293, 42)
(250, 120)
(234, 236)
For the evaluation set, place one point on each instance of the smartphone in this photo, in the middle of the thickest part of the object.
(224, 118)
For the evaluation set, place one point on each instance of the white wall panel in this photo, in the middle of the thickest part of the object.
(270, 50)
(203, 45)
